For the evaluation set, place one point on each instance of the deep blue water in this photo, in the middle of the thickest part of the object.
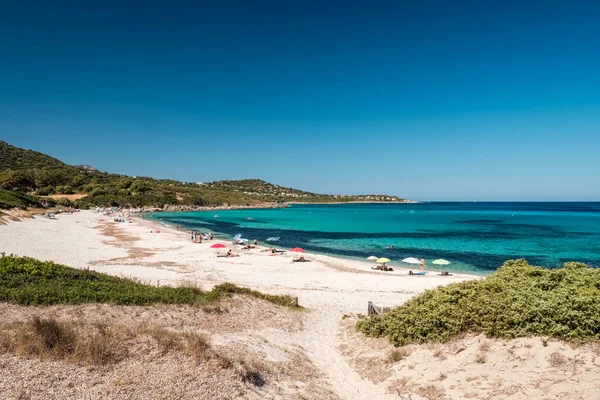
(476, 237)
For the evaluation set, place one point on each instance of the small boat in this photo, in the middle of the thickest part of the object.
(249, 218)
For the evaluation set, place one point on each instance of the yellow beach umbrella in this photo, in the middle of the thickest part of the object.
(383, 260)
(441, 261)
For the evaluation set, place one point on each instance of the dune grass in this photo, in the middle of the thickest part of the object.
(28, 281)
(518, 300)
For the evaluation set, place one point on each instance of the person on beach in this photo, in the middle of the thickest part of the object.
(255, 242)
(232, 254)
(422, 264)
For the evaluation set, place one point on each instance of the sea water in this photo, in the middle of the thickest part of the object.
(474, 237)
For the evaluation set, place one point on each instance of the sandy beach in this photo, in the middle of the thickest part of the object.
(335, 291)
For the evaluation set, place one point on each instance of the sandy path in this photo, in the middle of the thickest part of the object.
(328, 286)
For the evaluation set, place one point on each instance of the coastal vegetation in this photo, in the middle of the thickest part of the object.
(28, 281)
(11, 199)
(39, 175)
(518, 300)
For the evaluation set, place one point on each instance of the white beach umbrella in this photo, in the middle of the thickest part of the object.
(372, 258)
(440, 261)
(411, 260)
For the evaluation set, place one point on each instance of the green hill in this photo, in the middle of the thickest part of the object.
(31, 172)
(518, 300)
(16, 158)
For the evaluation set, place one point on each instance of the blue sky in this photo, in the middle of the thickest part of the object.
(429, 100)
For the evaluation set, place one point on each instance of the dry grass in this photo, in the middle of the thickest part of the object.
(102, 351)
(18, 215)
(49, 339)
(557, 360)
(439, 354)
(431, 392)
(398, 354)
(401, 386)
(480, 358)
(100, 344)
(485, 346)
(70, 197)
(215, 309)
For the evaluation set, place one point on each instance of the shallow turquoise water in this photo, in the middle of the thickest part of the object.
(474, 237)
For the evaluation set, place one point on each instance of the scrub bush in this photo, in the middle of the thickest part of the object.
(28, 281)
(518, 300)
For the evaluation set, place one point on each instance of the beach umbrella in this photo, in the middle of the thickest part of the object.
(411, 260)
(440, 261)
(218, 246)
(297, 250)
(372, 258)
(383, 260)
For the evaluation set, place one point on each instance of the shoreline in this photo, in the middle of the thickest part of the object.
(332, 258)
(42, 238)
(404, 268)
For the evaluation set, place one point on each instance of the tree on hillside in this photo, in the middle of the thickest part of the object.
(17, 180)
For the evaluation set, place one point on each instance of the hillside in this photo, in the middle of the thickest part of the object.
(35, 173)
(15, 158)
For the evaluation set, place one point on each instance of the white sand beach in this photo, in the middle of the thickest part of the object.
(329, 287)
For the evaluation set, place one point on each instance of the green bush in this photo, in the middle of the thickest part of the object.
(10, 199)
(64, 189)
(45, 191)
(518, 300)
(28, 281)
(63, 202)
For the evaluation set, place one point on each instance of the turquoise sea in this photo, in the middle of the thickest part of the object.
(474, 237)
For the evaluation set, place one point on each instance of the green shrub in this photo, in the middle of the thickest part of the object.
(64, 189)
(10, 199)
(28, 281)
(45, 191)
(63, 202)
(98, 191)
(518, 300)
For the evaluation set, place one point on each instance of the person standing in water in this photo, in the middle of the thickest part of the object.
(422, 264)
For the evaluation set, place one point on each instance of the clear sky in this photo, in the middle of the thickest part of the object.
(429, 100)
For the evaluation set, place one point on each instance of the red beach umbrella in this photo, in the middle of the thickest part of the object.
(298, 250)
(217, 246)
